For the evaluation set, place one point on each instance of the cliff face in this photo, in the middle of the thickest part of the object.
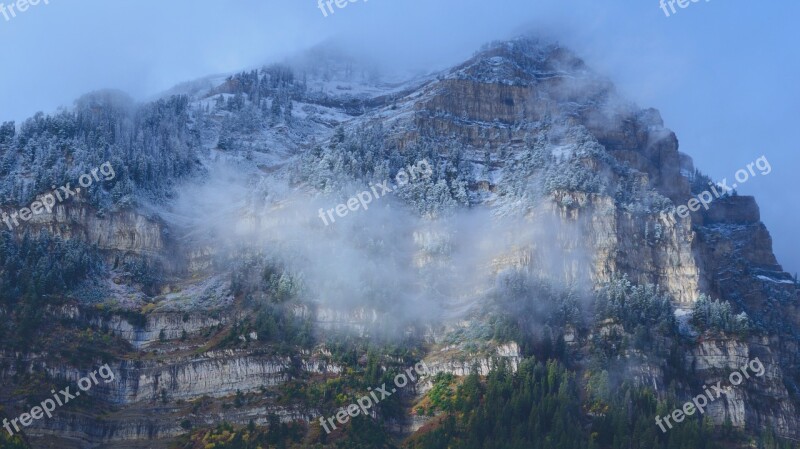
(493, 107)
(762, 401)
(493, 103)
(123, 231)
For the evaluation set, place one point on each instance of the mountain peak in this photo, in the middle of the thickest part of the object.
(520, 61)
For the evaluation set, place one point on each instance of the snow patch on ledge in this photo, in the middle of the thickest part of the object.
(775, 281)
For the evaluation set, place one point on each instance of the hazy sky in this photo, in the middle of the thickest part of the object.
(723, 73)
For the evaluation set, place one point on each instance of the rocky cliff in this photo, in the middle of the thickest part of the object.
(592, 211)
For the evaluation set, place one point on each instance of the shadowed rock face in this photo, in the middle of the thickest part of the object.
(497, 103)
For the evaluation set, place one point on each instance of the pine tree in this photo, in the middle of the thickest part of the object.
(288, 111)
(275, 110)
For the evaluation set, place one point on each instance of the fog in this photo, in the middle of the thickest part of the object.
(417, 270)
(723, 74)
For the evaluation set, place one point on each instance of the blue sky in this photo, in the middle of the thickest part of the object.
(723, 73)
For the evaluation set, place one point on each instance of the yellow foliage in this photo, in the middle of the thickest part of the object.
(148, 307)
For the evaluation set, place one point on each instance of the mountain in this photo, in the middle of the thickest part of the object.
(253, 253)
